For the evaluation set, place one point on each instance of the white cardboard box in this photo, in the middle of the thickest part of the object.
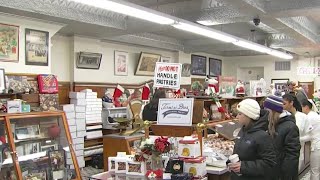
(14, 106)
(86, 90)
(81, 127)
(68, 108)
(78, 102)
(78, 141)
(70, 115)
(74, 135)
(93, 112)
(72, 122)
(81, 133)
(97, 109)
(73, 129)
(80, 109)
(80, 115)
(91, 93)
(79, 146)
(77, 95)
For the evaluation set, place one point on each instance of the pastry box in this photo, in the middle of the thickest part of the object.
(196, 167)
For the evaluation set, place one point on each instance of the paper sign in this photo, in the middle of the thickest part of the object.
(175, 112)
(167, 75)
(308, 70)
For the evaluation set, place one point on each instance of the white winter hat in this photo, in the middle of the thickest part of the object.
(250, 108)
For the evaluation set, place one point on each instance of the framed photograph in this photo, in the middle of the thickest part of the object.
(215, 67)
(198, 65)
(147, 63)
(27, 132)
(185, 72)
(121, 63)
(165, 59)
(2, 80)
(37, 47)
(9, 43)
(280, 84)
(57, 164)
(89, 60)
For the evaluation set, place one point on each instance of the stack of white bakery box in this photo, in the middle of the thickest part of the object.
(93, 114)
(78, 100)
(75, 126)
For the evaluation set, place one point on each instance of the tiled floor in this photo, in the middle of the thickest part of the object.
(89, 171)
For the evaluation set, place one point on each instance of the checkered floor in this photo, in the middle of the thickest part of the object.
(89, 171)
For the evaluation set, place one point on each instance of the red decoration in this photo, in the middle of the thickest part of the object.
(54, 131)
(48, 84)
(157, 173)
(145, 92)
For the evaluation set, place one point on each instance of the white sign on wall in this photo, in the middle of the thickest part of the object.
(308, 70)
(167, 75)
(175, 112)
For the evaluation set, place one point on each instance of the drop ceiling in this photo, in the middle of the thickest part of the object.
(289, 25)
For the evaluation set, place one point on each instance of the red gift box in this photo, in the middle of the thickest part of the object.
(48, 84)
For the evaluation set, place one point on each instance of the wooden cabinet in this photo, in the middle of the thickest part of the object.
(36, 145)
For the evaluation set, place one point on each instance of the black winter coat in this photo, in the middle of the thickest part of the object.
(256, 151)
(287, 144)
(150, 112)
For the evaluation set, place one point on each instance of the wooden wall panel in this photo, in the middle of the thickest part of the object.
(64, 89)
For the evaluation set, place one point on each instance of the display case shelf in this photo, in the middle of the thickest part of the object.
(44, 153)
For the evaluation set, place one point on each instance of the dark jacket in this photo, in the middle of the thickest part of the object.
(287, 144)
(255, 149)
(150, 112)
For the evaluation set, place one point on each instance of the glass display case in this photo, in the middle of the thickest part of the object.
(38, 146)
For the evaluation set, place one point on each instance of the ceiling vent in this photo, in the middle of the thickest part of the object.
(282, 66)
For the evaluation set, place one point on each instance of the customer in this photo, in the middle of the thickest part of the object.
(285, 134)
(150, 111)
(291, 104)
(254, 145)
(314, 137)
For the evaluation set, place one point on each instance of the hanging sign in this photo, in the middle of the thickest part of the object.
(167, 75)
(308, 70)
(175, 112)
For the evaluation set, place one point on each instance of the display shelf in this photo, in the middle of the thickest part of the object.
(37, 154)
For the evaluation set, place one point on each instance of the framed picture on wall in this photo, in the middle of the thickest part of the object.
(2, 80)
(185, 72)
(165, 59)
(147, 63)
(198, 65)
(280, 84)
(88, 60)
(9, 43)
(37, 47)
(215, 67)
(121, 63)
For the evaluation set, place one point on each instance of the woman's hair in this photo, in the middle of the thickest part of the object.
(160, 93)
(292, 98)
(273, 121)
(306, 103)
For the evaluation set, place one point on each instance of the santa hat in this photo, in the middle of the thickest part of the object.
(177, 92)
(118, 91)
(145, 92)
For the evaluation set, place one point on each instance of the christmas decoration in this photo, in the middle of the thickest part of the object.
(118, 91)
(145, 92)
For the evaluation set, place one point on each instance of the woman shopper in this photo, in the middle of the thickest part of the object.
(291, 104)
(314, 137)
(150, 111)
(285, 134)
(253, 145)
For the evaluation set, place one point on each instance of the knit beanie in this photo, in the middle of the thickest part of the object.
(250, 108)
(274, 103)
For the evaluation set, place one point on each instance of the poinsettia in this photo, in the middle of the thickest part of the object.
(152, 174)
(148, 148)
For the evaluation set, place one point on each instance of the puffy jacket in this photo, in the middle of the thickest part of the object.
(287, 144)
(150, 113)
(256, 151)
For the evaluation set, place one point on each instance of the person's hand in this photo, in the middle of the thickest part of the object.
(235, 167)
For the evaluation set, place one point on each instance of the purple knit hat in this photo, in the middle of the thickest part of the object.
(274, 103)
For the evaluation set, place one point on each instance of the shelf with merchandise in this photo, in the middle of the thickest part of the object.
(41, 144)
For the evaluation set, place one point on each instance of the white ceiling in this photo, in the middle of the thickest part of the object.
(291, 25)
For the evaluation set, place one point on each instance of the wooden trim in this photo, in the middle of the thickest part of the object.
(12, 145)
(110, 85)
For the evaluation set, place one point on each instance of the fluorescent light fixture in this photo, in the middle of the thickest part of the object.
(208, 23)
(252, 46)
(280, 54)
(128, 9)
(204, 31)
